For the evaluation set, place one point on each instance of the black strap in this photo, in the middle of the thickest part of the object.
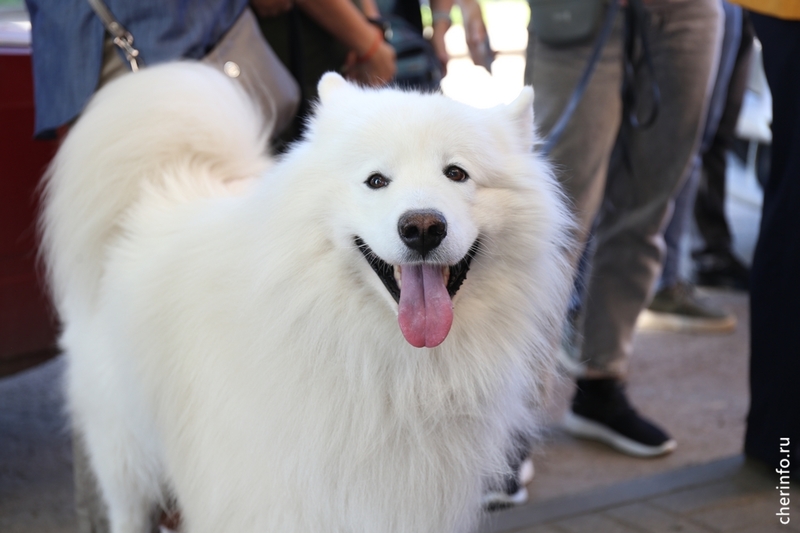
(637, 23)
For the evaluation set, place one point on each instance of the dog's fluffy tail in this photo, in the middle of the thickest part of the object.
(182, 119)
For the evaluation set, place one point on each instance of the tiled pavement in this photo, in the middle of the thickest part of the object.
(728, 495)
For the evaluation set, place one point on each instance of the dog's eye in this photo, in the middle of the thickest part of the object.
(455, 173)
(377, 181)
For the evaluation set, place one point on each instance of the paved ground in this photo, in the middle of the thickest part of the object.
(35, 454)
(728, 495)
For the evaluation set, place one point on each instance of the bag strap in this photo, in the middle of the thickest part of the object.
(121, 37)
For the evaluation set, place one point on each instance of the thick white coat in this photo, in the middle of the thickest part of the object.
(229, 345)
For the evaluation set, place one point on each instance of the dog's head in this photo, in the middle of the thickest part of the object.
(414, 174)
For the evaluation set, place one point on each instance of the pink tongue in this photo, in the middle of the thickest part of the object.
(426, 312)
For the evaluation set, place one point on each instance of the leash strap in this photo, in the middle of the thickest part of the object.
(122, 38)
(637, 23)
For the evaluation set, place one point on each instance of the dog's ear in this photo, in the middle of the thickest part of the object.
(520, 113)
(330, 83)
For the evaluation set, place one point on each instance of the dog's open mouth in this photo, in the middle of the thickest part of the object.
(423, 292)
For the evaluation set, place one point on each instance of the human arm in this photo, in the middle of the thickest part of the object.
(475, 33)
(373, 60)
(441, 23)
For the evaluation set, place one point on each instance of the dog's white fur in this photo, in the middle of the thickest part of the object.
(236, 349)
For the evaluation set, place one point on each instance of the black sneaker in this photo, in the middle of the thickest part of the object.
(510, 495)
(600, 411)
(721, 270)
(512, 492)
(678, 308)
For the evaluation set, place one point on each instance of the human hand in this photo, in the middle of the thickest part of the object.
(375, 67)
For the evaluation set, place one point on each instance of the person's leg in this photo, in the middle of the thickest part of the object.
(581, 156)
(685, 39)
(716, 264)
(582, 153)
(676, 305)
(710, 202)
(773, 423)
(684, 201)
(678, 226)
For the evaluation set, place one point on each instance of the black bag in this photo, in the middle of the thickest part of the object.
(565, 22)
(418, 67)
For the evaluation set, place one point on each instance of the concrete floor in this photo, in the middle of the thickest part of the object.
(730, 495)
(36, 493)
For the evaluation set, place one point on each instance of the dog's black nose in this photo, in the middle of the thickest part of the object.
(422, 230)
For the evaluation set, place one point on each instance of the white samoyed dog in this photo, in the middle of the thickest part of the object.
(344, 340)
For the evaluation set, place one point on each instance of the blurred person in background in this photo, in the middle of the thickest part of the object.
(676, 305)
(773, 423)
(716, 264)
(661, 56)
(312, 37)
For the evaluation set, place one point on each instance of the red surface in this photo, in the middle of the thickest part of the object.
(26, 318)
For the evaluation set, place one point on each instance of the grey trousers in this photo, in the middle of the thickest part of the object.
(631, 195)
